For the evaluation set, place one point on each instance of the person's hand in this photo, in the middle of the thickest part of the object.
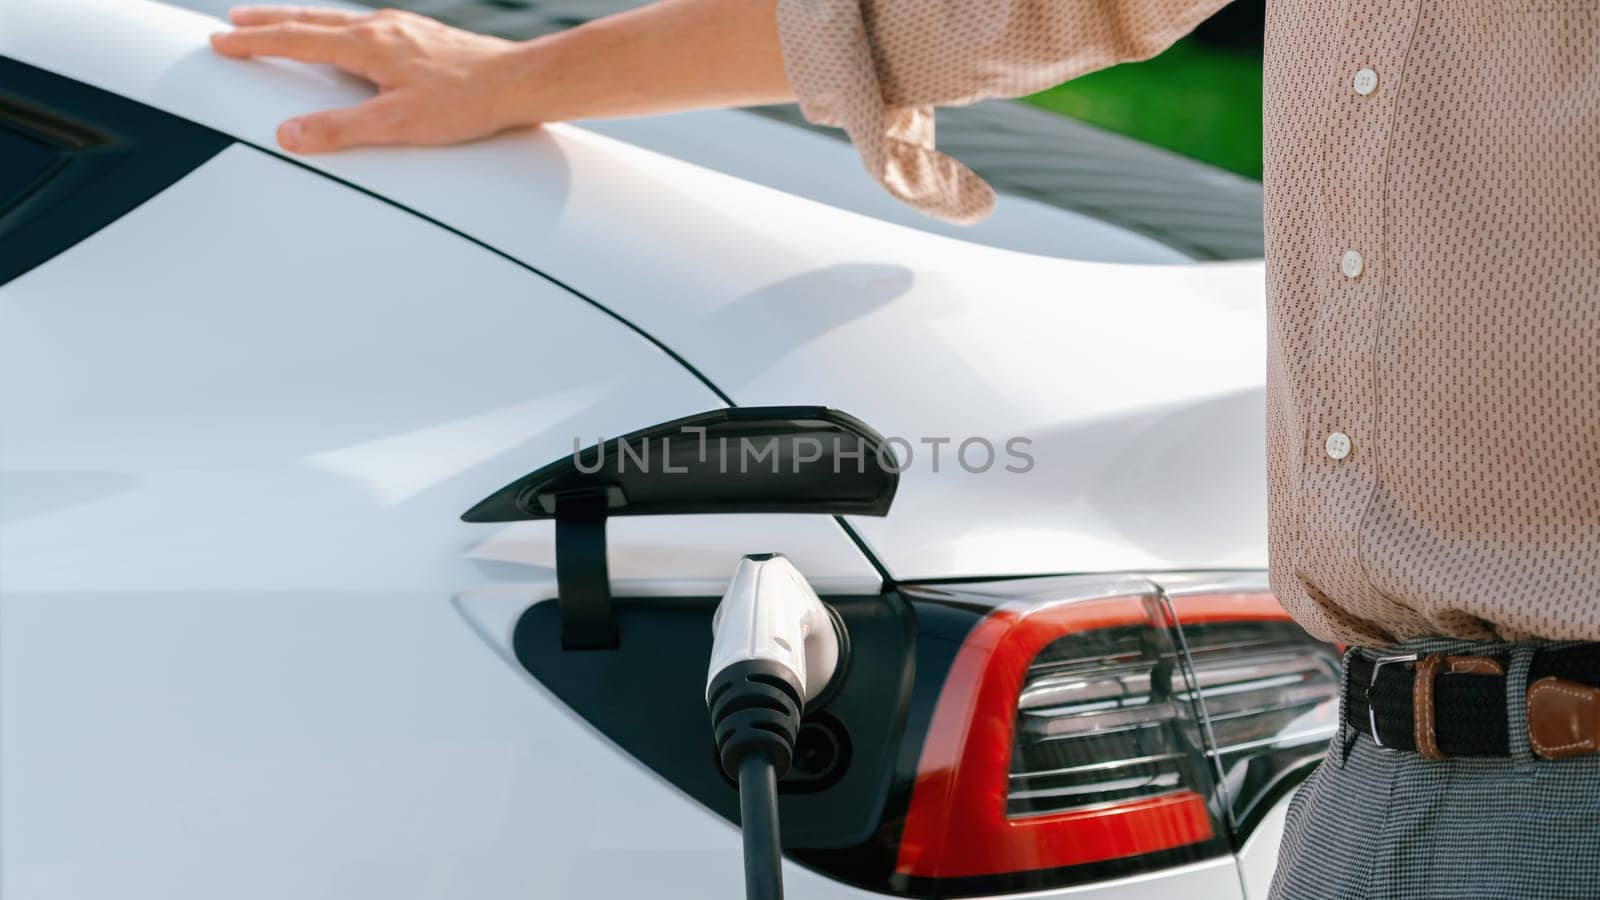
(441, 85)
(436, 84)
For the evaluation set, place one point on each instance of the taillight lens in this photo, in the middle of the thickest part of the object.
(1084, 724)
(1269, 695)
(1099, 721)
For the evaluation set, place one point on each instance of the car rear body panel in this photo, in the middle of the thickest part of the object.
(237, 445)
(250, 651)
(1140, 386)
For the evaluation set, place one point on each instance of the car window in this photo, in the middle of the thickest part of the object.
(23, 162)
(74, 158)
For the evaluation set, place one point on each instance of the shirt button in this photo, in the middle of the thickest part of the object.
(1338, 445)
(1351, 264)
(1366, 81)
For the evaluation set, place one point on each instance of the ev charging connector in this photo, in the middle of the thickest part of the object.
(775, 647)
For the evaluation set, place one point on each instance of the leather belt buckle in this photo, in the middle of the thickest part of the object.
(1377, 666)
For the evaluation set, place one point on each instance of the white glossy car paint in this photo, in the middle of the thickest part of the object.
(231, 664)
(821, 168)
(249, 651)
(1135, 427)
(1258, 858)
(297, 407)
(811, 165)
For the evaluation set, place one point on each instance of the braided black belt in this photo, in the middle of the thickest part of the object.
(1469, 710)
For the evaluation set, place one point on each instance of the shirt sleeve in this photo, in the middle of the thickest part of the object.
(877, 68)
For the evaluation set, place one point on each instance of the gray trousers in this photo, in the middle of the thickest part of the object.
(1376, 823)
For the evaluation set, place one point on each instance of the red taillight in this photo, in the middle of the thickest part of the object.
(1102, 761)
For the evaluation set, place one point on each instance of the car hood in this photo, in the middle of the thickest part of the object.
(1134, 389)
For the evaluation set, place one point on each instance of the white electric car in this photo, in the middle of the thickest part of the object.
(249, 648)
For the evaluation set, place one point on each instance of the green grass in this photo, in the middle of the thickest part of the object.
(1200, 101)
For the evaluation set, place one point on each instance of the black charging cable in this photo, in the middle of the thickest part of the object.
(775, 646)
(758, 819)
(755, 709)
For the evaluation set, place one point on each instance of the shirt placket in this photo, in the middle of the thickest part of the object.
(1342, 451)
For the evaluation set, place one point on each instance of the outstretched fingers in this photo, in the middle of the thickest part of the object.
(380, 120)
(436, 84)
(303, 41)
(311, 15)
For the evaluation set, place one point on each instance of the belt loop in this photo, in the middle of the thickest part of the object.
(1517, 702)
(1424, 721)
(1345, 740)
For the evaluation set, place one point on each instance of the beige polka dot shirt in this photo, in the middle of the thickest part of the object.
(1433, 272)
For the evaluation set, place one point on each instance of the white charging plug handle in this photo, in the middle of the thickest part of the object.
(770, 612)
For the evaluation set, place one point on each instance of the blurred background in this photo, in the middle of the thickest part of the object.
(1201, 98)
